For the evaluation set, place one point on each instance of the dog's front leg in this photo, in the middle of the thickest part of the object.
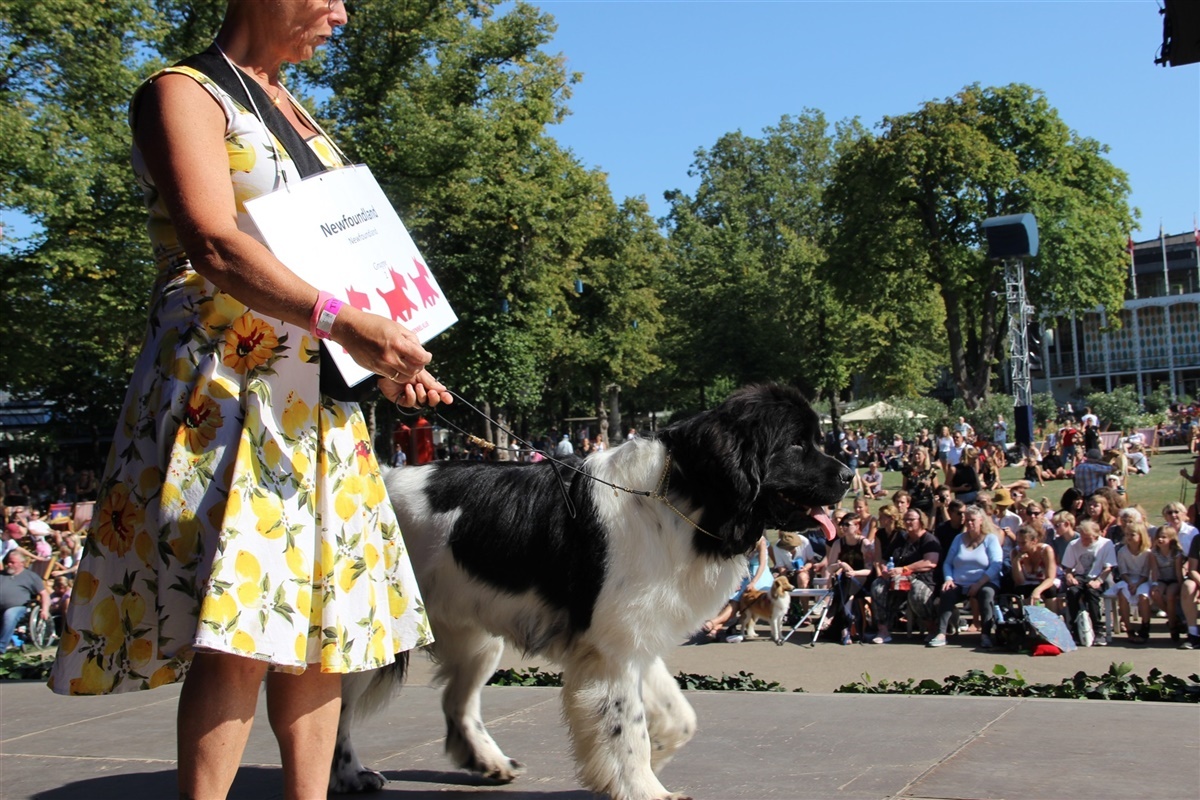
(603, 705)
(669, 716)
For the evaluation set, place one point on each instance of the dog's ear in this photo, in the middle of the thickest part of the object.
(722, 463)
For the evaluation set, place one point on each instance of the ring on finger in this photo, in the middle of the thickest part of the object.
(394, 377)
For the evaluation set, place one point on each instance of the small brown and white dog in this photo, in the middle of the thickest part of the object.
(772, 605)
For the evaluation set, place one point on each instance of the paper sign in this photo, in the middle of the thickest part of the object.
(337, 231)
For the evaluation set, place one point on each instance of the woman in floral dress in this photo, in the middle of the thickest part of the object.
(242, 528)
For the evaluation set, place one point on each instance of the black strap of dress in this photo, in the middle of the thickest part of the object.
(214, 65)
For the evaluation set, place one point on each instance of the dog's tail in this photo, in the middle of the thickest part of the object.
(364, 693)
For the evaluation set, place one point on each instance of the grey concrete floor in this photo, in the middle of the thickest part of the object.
(749, 745)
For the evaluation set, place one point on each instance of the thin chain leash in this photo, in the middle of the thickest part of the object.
(659, 492)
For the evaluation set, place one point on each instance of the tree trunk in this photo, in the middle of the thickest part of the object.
(613, 423)
(486, 407)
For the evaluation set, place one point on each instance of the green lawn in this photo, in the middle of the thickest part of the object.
(1152, 491)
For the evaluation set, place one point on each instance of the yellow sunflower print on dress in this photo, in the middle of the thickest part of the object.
(241, 511)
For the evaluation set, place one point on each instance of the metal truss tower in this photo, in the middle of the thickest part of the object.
(1019, 313)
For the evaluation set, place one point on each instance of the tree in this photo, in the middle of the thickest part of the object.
(909, 203)
(73, 293)
(746, 298)
(449, 104)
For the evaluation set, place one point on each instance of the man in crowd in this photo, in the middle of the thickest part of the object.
(18, 586)
(1091, 472)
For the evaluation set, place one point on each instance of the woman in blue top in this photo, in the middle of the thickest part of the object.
(972, 570)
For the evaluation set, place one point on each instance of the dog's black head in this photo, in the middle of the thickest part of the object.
(751, 462)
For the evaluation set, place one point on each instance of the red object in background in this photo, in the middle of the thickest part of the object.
(423, 442)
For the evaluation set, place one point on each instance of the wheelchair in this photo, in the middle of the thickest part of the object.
(35, 632)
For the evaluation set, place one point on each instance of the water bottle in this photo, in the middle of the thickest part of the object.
(891, 565)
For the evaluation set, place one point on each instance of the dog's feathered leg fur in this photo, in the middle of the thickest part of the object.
(602, 701)
(670, 720)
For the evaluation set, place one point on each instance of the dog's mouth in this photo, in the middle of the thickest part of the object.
(791, 500)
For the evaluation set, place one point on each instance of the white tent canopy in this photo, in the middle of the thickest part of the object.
(877, 410)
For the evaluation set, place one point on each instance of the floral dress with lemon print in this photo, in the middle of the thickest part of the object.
(241, 511)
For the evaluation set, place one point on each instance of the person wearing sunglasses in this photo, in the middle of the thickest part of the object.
(906, 581)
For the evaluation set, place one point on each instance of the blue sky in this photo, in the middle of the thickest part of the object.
(662, 78)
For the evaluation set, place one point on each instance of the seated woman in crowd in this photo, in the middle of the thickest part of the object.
(866, 521)
(1035, 568)
(1166, 576)
(1097, 510)
(972, 570)
(1072, 502)
(964, 479)
(920, 480)
(888, 533)
(758, 575)
(908, 582)
(1175, 515)
(1133, 565)
(849, 570)
(1116, 499)
(991, 461)
(1032, 514)
(1134, 445)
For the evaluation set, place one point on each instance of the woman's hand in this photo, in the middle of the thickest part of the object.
(424, 390)
(948, 585)
(377, 343)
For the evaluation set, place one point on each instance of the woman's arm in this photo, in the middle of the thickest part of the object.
(180, 131)
(763, 560)
(995, 556)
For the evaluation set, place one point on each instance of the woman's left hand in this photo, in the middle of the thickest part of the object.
(424, 390)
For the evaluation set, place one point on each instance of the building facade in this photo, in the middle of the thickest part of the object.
(1153, 339)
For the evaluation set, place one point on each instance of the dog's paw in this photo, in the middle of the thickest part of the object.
(779, 641)
(504, 772)
(365, 780)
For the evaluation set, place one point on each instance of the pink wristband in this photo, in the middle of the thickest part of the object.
(325, 311)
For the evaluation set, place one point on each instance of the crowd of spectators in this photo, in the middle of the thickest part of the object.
(956, 535)
(42, 541)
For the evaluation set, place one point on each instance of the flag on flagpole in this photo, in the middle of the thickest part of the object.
(1195, 231)
(1129, 245)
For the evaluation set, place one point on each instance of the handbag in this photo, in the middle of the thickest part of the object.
(221, 72)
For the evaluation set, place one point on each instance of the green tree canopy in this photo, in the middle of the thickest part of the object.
(907, 205)
(746, 301)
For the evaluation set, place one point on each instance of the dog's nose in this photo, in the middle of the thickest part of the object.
(846, 476)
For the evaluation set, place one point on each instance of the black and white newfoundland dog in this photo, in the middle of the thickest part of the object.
(603, 584)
